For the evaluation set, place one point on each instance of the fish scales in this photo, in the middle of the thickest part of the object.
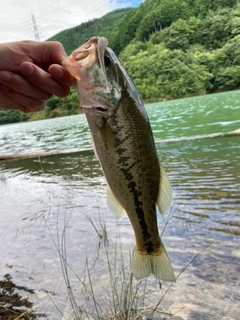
(123, 152)
(123, 142)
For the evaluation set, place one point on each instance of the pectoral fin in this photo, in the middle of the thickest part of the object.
(165, 193)
(113, 205)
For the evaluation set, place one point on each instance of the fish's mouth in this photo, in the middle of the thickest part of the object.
(85, 56)
(91, 65)
(101, 109)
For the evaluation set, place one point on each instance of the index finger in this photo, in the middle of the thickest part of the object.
(43, 80)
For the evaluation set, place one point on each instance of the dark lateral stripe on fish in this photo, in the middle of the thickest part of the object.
(136, 194)
(121, 150)
(120, 141)
(139, 210)
(124, 161)
(128, 175)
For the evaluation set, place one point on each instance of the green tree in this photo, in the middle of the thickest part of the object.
(161, 16)
(215, 29)
(9, 116)
(106, 26)
(133, 49)
(232, 50)
(53, 103)
(219, 65)
(228, 78)
(203, 7)
(195, 25)
(178, 36)
(71, 103)
(167, 74)
(127, 30)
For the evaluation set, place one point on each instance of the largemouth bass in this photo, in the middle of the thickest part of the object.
(124, 144)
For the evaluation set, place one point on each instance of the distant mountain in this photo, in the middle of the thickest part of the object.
(170, 48)
(107, 26)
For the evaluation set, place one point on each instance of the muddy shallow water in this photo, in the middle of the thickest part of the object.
(42, 199)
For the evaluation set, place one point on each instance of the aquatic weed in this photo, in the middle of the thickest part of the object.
(118, 296)
(122, 298)
(3, 178)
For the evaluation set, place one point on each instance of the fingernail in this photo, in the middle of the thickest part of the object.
(4, 76)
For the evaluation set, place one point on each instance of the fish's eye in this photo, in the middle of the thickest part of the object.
(107, 61)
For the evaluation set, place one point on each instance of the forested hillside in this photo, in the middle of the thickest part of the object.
(179, 48)
(106, 26)
(170, 48)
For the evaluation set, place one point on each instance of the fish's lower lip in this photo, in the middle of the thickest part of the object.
(101, 109)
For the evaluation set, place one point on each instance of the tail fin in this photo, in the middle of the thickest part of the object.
(157, 264)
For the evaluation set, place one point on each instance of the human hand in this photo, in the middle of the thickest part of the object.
(30, 74)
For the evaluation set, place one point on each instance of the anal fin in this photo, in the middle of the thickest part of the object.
(165, 193)
(113, 205)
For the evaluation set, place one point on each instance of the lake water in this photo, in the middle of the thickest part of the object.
(44, 201)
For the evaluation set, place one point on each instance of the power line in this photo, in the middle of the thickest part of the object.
(35, 28)
(29, 29)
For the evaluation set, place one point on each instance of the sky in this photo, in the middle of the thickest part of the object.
(51, 16)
